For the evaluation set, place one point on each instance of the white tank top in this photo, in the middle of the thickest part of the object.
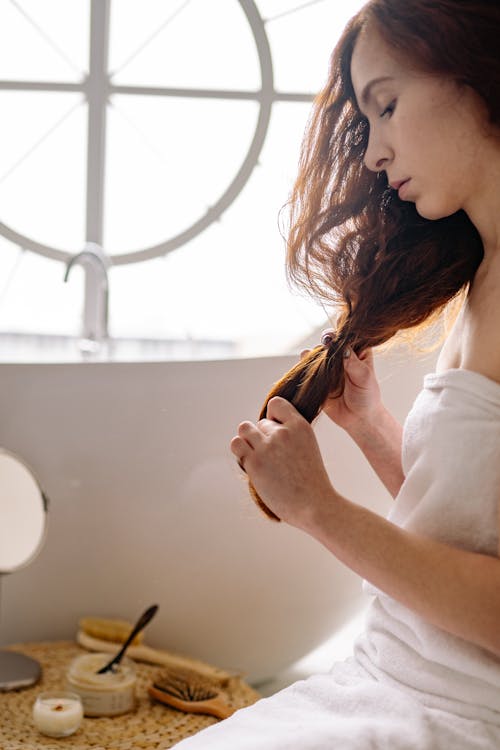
(451, 493)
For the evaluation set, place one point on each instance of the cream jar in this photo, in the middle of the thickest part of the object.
(107, 694)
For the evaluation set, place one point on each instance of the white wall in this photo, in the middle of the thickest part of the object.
(147, 505)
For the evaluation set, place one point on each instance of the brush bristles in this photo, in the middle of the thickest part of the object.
(185, 684)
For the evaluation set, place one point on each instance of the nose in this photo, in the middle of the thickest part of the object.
(378, 153)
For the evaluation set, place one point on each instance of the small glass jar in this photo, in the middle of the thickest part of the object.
(108, 694)
(57, 713)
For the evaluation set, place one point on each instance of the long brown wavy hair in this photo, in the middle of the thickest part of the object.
(351, 240)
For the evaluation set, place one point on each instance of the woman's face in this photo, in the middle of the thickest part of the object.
(423, 129)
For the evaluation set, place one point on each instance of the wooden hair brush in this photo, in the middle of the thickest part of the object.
(100, 634)
(188, 691)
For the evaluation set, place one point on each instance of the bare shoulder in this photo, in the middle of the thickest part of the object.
(474, 341)
(479, 347)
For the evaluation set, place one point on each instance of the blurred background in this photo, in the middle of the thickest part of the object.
(162, 136)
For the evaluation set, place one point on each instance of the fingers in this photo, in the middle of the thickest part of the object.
(280, 410)
(359, 369)
(240, 448)
(247, 439)
(367, 356)
(251, 437)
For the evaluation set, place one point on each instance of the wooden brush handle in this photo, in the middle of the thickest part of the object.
(155, 656)
(213, 706)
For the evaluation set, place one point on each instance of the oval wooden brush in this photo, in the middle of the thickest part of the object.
(190, 692)
(111, 637)
(108, 629)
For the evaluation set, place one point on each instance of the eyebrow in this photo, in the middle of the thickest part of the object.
(366, 93)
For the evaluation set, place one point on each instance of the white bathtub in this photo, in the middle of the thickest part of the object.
(147, 505)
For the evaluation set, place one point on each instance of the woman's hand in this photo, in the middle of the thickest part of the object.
(360, 411)
(281, 456)
(360, 404)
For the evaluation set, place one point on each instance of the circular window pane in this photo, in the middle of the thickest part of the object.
(181, 155)
(43, 166)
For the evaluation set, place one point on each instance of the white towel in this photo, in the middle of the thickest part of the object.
(451, 461)
(409, 686)
(344, 710)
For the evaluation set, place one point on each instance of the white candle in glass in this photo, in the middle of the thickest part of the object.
(57, 714)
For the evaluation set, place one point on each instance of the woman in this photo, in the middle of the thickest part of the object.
(395, 212)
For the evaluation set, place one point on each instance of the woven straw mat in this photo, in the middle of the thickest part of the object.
(151, 725)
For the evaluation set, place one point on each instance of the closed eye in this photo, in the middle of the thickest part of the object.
(389, 109)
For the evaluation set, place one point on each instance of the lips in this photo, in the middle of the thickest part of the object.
(397, 185)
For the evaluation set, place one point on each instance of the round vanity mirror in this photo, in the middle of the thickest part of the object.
(23, 514)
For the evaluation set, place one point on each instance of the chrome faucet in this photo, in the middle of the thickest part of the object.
(95, 310)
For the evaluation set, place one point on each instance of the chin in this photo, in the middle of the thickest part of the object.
(433, 212)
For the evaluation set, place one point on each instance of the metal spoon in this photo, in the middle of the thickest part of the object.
(140, 624)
